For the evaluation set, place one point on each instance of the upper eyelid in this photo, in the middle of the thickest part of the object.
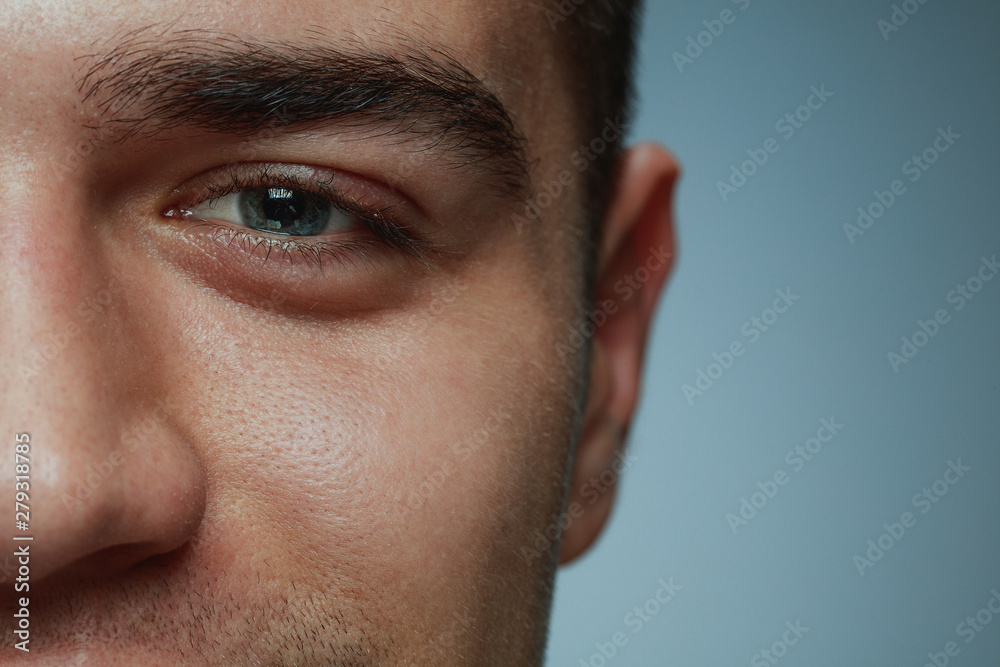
(233, 177)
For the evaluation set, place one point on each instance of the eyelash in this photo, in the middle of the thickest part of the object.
(387, 235)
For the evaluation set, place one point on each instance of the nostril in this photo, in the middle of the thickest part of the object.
(113, 561)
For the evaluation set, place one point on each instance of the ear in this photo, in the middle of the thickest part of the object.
(634, 258)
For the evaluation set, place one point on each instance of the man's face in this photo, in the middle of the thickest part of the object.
(335, 448)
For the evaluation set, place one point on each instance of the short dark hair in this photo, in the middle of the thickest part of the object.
(598, 38)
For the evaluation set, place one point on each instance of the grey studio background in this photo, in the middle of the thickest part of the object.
(787, 580)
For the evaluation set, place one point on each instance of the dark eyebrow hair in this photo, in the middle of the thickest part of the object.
(230, 84)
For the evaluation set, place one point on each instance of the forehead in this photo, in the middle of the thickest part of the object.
(470, 27)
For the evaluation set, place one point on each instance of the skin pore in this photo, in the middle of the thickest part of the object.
(257, 450)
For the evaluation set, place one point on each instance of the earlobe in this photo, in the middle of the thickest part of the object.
(635, 257)
(593, 484)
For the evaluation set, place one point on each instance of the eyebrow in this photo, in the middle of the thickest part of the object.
(229, 84)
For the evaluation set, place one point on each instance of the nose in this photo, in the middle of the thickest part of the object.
(111, 479)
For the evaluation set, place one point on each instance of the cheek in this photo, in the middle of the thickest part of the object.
(382, 427)
(471, 468)
(404, 460)
(428, 436)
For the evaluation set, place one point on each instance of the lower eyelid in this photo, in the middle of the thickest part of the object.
(311, 252)
(308, 279)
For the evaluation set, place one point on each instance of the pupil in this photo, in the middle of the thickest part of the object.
(284, 211)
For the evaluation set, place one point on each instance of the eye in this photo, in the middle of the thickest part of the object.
(300, 211)
(328, 241)
(279, 210)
